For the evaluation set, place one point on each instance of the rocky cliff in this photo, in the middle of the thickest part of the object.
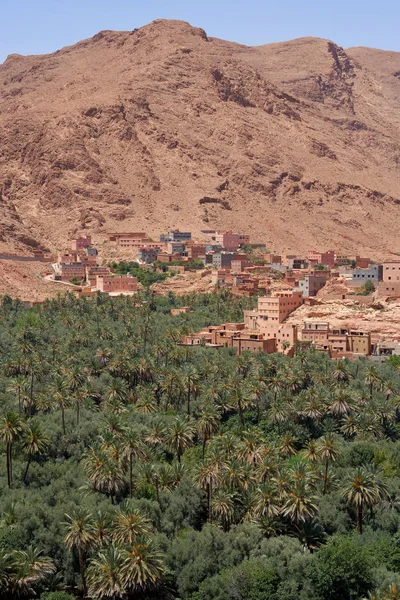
(297, 143)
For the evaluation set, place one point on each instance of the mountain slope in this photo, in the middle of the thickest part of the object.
(297, 143)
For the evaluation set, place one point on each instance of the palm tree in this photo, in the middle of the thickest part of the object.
(28, 568)
(287, 446)
(311, 452)
(208, 477)
(142, 567)
(241, 397)
(34, 443)
(128, 526)
(363, 489)
(181, 435)
(101, 526)
(372, 378)
(327, 452)
(18, 385)
(300, 504)
(189, 381)
(277, 385)
(341, 374)
(223, 507)
(81, 536)
(116, 392)
(11, 429)
(61, 395)
(252, 448)
(311, 534)
(266, 501)
(341, 403)
(208, 423)
(134, 449)
(104, 574)
(104, 472)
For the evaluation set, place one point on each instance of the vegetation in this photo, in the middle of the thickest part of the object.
(132, 467)
(368, 288)
(144, 276)
(191, 265)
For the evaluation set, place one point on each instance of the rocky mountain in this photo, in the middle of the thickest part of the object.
(297, 143)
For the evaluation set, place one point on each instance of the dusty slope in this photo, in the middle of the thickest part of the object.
(382, 319)
(298, 143)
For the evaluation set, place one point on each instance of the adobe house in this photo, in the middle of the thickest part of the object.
(323, 258)
(73, 270)
(311, 284)
(359, 277)
(230, 240)
(391, 271)
(315, 332)
(81, 243)
(116, 283)
(253, 342)
(195, 250)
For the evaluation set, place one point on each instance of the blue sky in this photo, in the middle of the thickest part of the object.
(41, 26)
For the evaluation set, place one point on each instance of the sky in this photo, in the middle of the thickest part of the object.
(43, 26)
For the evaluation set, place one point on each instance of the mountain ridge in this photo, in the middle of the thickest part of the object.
(297, 142)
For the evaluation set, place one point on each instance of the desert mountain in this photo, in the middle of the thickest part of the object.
(297, 143)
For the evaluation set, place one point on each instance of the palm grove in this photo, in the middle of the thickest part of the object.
(132, 467)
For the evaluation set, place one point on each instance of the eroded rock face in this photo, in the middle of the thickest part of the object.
(296, 143)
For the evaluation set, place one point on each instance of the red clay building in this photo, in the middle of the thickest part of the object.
(323, 258)
(116, 283)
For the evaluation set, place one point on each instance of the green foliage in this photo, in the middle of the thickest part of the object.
(144, 276)
(251, 580)
(367, 289)
(191, 265)
(227, 477)
(341, 570)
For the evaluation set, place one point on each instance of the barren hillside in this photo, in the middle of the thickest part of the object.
(297, 143)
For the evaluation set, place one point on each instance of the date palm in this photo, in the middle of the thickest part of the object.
(81, 537)
(134, 449)
(300, 503)
(208, 477)
(266, 503)
(19, 387)
(223, 507)
(180, 435)
(268, 467)
(311, 451)
(189, 380)
(241, 397)
(11, 429)
(341, 374)
(372, 379)
(363, 489)
(287, 446)
(60, 394)
(341, 403)
(207, 424)
(128, 526)
(311, 534)
(252, 449)
(29, 568)
(34, 443)
(104, 472)
(105, 576)
(142, 567)
(328, 452)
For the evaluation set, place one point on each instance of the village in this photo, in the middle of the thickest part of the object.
(229, 260)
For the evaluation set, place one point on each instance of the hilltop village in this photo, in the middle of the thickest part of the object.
(229, 260)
